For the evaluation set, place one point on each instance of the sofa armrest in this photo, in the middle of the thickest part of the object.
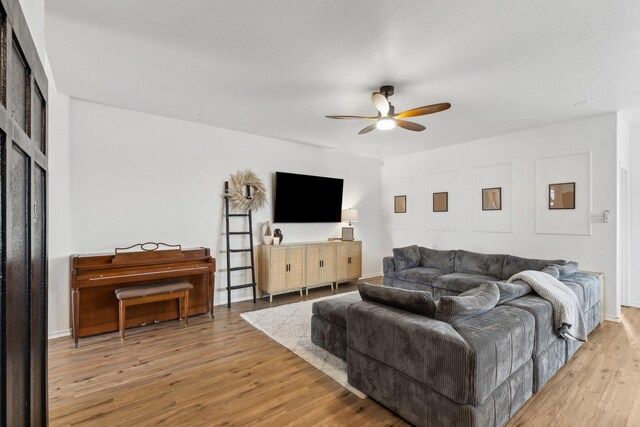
(389, 266)
(427, 350)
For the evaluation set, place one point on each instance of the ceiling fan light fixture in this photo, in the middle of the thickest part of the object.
(385, 123)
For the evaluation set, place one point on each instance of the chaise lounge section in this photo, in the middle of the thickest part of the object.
(475, 371)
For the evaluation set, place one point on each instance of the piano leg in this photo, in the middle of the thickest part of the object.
(75, 314)
(211, 293)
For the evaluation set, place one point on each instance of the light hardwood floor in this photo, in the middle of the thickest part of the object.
(225, 372)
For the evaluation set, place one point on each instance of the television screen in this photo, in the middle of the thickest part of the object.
(306, 198)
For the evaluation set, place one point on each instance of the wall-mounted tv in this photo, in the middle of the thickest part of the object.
(306, 198)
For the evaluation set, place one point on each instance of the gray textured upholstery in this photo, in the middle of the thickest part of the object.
(589, 295)
(502, 341)
(511, 291)
(568, 269)
(412, 286)
(407, 257)
(420, 275)
(388, 266)
(552, 270)
(476, 263)
(461, 282)
(479, 300)
(335, 309)
(433, 258)
(422, 406)
(548, 361)
(465, 363)
(329, 323)
(515, 264)
(417, 302)
(542, 312)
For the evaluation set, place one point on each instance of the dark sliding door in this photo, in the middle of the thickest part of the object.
(23, 214)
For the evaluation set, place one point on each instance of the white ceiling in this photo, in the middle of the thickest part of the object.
(276, 68)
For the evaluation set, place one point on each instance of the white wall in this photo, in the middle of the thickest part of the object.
(471, 165)
(634, 178)
(137, 177)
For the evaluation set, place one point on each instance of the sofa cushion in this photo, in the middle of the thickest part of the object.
(476, 263)
(511, 291)
(418, 302)
(502, 341)
(469, 304)
(568, 269)
(433, 258)
(542, 311)
(552, 270)
(420, 275)
(515, 264)
(590, 284)
(335, 309)
(407, 257)
(461, 282)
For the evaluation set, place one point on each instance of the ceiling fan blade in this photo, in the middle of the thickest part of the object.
(380, 102)
(421, 111)
(367, 129)
(410, 125)
(352, 117)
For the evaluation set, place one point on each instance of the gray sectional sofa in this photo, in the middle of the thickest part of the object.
(474, 370)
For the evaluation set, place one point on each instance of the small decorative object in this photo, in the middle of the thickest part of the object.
(267, 233)
(562, 196)
(492, 199)
(347, 233)
(237, 194)
(441, 202)
(277, 237)
(400, 204)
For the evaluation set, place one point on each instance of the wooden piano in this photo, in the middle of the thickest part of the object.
(94, 279)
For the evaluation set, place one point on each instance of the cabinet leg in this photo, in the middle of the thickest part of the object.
(270, 298)
(75, 314)
(307, 292)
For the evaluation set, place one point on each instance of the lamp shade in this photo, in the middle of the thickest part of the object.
(350, 215)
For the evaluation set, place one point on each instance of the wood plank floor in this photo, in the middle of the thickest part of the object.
(225, 372)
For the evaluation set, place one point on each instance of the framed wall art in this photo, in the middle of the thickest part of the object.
(562, 196)
(492, 199)
(400, 204)
(441, 202)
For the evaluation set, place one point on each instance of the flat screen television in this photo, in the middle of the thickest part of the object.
(306, 198)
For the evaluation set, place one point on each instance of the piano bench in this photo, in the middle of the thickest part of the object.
(136, 295)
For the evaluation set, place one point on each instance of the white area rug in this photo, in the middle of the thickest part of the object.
(290, 326)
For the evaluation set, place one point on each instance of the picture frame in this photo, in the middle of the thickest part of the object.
(492, 199)
(562, 196)
(400, 204)
(347, 233)
(441, 201)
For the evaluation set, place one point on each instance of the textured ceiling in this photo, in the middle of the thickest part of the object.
(276, 68)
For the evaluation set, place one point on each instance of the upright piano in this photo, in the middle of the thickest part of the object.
(94, 279)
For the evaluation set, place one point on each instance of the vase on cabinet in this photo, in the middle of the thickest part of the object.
(277, 236)
(267, 233)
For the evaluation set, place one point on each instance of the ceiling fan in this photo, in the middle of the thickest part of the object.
(387, 119)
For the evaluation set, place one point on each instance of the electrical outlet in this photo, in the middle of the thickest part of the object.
(597, 217)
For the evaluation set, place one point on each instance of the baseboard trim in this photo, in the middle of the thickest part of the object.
(59, 334)
(611, 318)
(634, 304)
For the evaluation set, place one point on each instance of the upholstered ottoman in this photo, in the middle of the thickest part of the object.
(329, 323)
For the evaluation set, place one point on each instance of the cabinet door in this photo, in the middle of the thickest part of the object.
(329, 263)
(342, 267)
(295, 259)
(278, 269)
(355, 256)
(313, 258)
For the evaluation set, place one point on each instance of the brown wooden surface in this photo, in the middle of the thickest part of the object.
(225, 372)
(95, 278)
(23, 228)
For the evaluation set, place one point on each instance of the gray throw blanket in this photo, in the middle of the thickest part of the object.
(567, 314)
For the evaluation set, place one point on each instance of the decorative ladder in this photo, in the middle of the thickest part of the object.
(230, 250)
